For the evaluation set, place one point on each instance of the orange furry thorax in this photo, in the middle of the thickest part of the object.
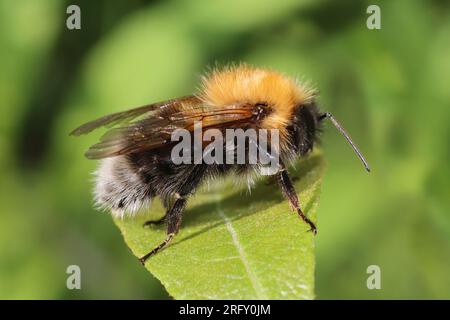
(245, 84)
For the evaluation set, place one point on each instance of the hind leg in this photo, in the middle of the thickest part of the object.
(155, 222)
(159, 220)
(174, 216)
(194, 176)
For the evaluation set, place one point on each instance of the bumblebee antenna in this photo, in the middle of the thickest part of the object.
(346, 136)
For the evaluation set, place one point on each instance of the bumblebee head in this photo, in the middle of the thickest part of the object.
(305, 127)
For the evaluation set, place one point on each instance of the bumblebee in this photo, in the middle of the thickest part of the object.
(135, 153)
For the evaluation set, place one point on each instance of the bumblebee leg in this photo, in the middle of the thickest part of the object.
(288, 190)
(173, 225)
(155, 222)
(160, 220)
(271, 180)
(193, 178)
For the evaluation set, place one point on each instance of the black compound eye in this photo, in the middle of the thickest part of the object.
(305, 128)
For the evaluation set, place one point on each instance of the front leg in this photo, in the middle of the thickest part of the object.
(288, 190)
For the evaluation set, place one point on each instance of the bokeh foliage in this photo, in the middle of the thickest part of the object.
(389, 87)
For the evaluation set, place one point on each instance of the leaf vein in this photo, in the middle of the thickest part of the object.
(256, 284)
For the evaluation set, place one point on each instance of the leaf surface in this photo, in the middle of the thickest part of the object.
(236, 245)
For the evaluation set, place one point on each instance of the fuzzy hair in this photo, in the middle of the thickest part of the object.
(119, 183)
(118, 187)
(243, 83)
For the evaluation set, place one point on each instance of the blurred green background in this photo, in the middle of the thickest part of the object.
(389, 87)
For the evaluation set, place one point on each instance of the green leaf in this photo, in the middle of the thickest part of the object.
(235, 245)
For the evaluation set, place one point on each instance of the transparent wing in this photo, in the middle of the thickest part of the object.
(128, 115)
(155, 130)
